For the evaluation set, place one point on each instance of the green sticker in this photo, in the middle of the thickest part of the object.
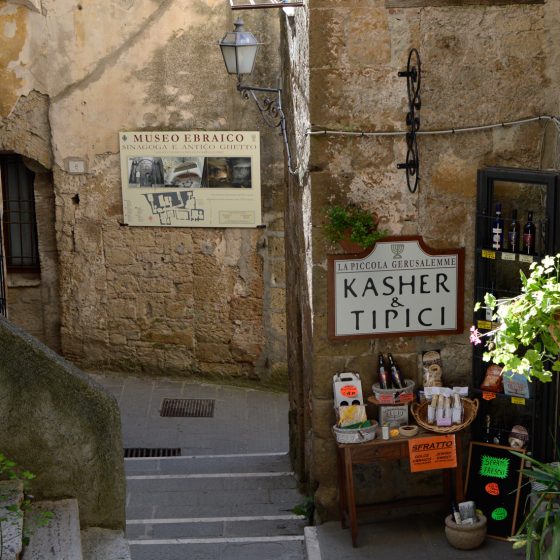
(494, 467)
(499, 514)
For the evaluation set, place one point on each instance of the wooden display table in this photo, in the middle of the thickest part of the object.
(376, 450)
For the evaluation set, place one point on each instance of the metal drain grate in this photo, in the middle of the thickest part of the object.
(152, 452)
(191, 408)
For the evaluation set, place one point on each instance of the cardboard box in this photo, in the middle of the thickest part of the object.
(347, 389)
(393, 414)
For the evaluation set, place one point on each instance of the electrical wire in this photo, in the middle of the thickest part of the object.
(365, 134)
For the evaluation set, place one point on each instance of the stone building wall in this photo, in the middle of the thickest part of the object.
(160, 300)
(480, 64)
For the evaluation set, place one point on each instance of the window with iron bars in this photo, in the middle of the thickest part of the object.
(19, 223)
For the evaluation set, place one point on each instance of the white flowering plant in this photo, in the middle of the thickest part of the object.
(527, 338)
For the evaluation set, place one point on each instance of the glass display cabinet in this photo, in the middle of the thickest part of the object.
(517, 222)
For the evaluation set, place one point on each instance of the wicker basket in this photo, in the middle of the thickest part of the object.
(420, 413)
(379, 392)
(358, 435)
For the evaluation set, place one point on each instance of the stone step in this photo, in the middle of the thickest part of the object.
(218, 482)
(59, 539)
(246, 548)
(210, 464)
(11, 494)
(176, 502)
(212, 527)
(222, 507)
(104, 544)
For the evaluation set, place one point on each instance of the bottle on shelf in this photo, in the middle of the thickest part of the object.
(529, 234)
(382, 374)
(396, 375)
(487, 437)
(498, 229)
(513, 237)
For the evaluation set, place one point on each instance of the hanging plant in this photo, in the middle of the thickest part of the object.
(354, 224)
(527, 338)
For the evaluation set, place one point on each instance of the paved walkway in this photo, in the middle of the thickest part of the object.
(248, 434)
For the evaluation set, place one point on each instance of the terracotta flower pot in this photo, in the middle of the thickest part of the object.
(465, 537)
(349, 246)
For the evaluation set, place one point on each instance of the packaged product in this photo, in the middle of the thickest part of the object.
(432, 371)
(493, 379)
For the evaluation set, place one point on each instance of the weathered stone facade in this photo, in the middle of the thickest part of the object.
(481, 64)
(159, 300)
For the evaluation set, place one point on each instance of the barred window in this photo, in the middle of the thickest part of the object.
(19, 224)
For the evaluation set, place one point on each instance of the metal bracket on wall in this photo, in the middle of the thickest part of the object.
(413, 77)
(269, 103)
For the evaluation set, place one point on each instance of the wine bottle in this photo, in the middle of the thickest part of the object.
(529, 234)
(487, 438)
(513, 234)
(396, 376)
(382, 374)
(498, 229)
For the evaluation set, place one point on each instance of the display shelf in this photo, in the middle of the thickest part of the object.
(502, 194)
(514, 399)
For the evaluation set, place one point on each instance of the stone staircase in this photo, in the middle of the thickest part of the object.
(58, 539)
(210, 507)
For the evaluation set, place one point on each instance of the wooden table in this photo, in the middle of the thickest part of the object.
(376, 450)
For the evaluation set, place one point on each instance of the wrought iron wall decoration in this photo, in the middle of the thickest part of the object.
(413, 78)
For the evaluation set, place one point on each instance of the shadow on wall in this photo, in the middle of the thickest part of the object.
(62, 426)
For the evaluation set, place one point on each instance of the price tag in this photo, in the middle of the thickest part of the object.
(487, 254)
(487, 325)
(526, 258)
(406, 397)
(488, 395)
(517, 400)
(508, 256)
(386, 399)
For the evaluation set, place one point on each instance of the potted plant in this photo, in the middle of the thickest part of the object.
(540, 531)
(352, 224)
(527, 338)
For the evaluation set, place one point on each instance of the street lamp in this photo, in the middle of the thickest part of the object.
(239, 49)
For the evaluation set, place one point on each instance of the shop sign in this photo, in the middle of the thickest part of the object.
(432, 453)
(191, 178)
(494, 480)
(400, 287)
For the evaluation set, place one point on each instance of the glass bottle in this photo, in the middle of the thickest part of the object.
(487, 438)
(382, 374)
(396, 376)
(529, 234)
(498, 229)
(513, 234)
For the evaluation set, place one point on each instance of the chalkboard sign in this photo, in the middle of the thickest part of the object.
(494, 484)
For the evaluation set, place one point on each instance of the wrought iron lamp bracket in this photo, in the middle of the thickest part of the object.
(413, 78)
(269, 104)
(268, 101)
